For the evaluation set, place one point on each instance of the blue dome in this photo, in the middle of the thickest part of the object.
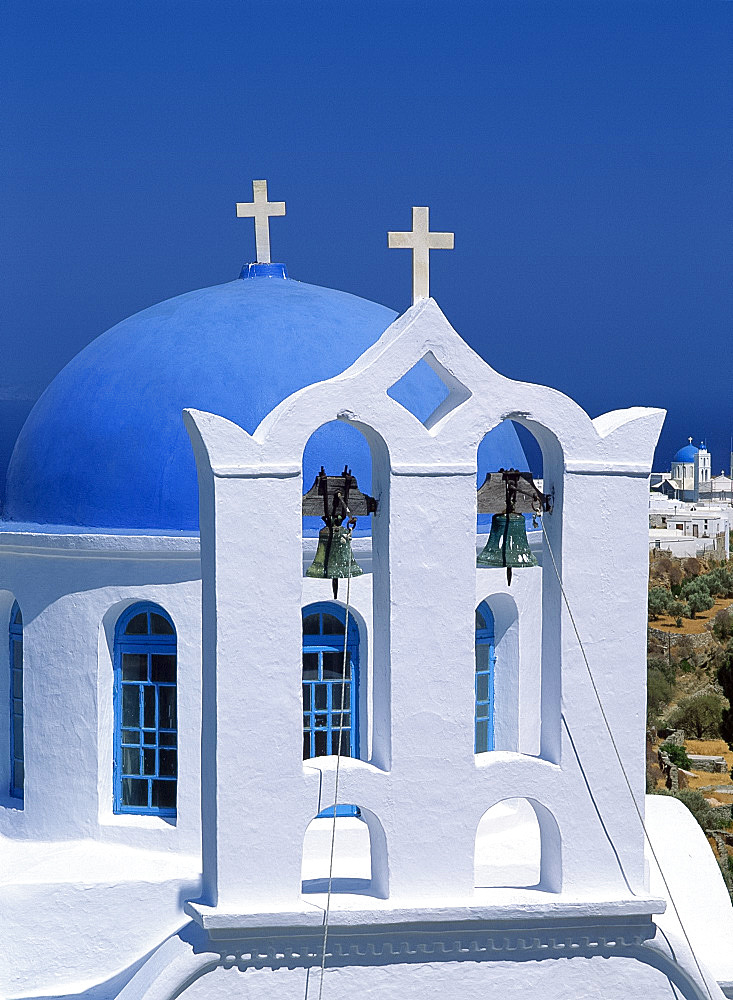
(105, 445)
(686, 454)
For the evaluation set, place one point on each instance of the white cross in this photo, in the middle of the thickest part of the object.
(421, 241)
(261, 209)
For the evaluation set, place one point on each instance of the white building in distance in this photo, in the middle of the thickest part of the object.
(175, 822)
(688, 529)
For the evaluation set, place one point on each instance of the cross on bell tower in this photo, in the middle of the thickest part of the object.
(261, 209)
(421, 241)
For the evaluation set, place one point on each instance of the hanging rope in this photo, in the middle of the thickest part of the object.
(621, 765)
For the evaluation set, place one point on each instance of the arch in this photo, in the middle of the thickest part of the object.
(17, 751)
(484, 680)
(331, 694)
(518, 845)
(145, 711)
(359, 854)
(507, 690)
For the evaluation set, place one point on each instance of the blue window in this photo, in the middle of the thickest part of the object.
(146, 730)
(485, 661)
(17, 762)
(330, 686)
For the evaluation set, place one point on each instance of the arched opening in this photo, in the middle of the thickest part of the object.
(512, 708)
(517, 606)
(17, 750)
(517, 846)
(145, 712)
(366, 585)
(484, 683)
(359, 854)
(331, 693)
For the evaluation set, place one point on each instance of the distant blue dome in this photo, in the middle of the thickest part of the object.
(105, 445)
(686, 454)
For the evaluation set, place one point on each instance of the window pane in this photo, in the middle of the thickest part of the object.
(306, 746)
(160, 625)
(149, 707)
(149, 739)
(321, 721)
(482, 687)
(310, 666)
(342, 748)
(134, 792)
(167, 763)
(130, 705)
(163, 668)
(130, 761)
(320, 744)
(134, 667)
(482, 656)
(18, 618)
(167, 707)
(311, 625)
(18, 737)
(138, 626)
(319, 690)
(480, 622)
(307, 689)
(18, 774)
(341, 693)
(332, 626)
(167, 739)
(17, 654)
(130, 737)
(149, 762)
(333, 664)
(17, 684)
(482, 733)
(164, 794)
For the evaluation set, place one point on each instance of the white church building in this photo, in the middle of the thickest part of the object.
(175, 819)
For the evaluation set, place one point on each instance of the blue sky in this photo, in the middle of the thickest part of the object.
(580, 151)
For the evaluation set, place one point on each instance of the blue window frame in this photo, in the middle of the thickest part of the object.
(485, 662)
(17, 757)
(146, 729)
(330, 696)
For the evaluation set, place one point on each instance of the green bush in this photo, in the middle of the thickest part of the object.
(678, 755)
(659, 691)
(659, 600)
(700, 716)
(723, 625)
(679, 609)
(698, 601)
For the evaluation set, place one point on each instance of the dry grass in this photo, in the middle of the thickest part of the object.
(717, 748)
(692, 626)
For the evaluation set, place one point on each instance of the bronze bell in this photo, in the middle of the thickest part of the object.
(334, 559)
(507, 544)
(336, 498)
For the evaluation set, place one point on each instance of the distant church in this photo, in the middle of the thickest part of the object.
(689, 478)
(231, 775)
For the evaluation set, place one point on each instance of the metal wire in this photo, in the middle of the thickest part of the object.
(621, 765)
(327, 912)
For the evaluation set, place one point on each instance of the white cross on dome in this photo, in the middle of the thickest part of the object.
(421, 241)
(261, 209)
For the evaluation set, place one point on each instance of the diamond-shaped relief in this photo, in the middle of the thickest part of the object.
(428, 390)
